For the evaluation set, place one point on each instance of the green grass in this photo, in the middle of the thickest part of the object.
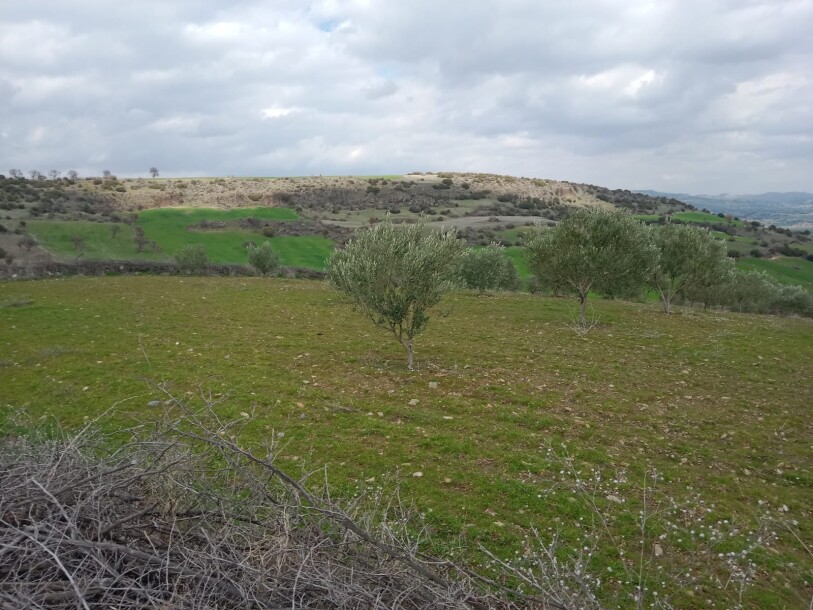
(56, 236)
(168, 227)
(517, 255)
(307, 252)
(703, 217)
(785, 269)
(701, 397)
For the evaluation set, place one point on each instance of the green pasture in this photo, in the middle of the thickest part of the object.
(717, 404)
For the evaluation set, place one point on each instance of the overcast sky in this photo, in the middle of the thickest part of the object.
(698, 96)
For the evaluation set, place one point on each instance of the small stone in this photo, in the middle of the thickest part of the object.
(413, 402)
(433, 385)
(447, 480)
(300, 405)
(370, 480)
(417, 474)
(615, 499)
(658, 550)
(746, 472)
(243, 414)
(684, 460)
(448, 417)
(784, 508)
(499, 524)
(154, 403)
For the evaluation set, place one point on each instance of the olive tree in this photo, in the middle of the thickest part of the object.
(263, 258)
(592, 250)
(688, 257)
(192, 259)
(483, 268)
(395, 274)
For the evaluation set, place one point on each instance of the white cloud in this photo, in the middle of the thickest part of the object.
(692, 95)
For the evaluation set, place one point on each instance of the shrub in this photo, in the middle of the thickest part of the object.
(191, 259)
(263, 258)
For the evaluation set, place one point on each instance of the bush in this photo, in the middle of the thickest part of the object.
(192, 259)
(263, 258)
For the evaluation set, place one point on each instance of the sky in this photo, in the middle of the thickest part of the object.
(695, 96)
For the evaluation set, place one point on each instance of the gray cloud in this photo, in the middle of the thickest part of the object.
(690, 95)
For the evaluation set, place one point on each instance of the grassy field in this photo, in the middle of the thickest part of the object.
(785, 269)
(57, 236)
(703, 217)
(168, 227)
(718, 404)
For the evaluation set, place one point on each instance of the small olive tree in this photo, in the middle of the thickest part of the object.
(688, 257)
(191, 259)
(395, 274)
(483, 268)
(263, 258)
(592, 250)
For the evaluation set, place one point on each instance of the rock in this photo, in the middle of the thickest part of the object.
(244, 414)
(658, 550)
(746, 472)
(447, 480)
(448, 417)
(433, 385)
(154, 403)
(499, 524)
(417, 474)
(413, 402)
(615, 499)
(784, 508)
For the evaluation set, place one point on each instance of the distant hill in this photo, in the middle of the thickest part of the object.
(792, 209)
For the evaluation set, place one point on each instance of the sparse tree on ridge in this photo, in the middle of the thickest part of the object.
(688, 257)
(33, 174)
(53, 174)
(73, 174)
(395, 274)
(263, 258)
(107, 174)
(154, 172)
(592, 250)
(15, 173)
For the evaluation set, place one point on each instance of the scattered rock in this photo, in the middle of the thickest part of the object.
(433, 385)
(746, 472)
(448, 417)
(417, 474)
(154, 403)
(413, 402)
(499, 524)
(615, 499)
(244, 414)
(658, 550)
(447, 480)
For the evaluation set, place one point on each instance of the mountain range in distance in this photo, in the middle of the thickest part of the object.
(792, 210)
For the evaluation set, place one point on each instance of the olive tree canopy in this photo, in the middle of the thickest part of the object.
(395, 274)
(592, 250)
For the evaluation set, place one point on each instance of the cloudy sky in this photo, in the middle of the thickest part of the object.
(698, 96)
